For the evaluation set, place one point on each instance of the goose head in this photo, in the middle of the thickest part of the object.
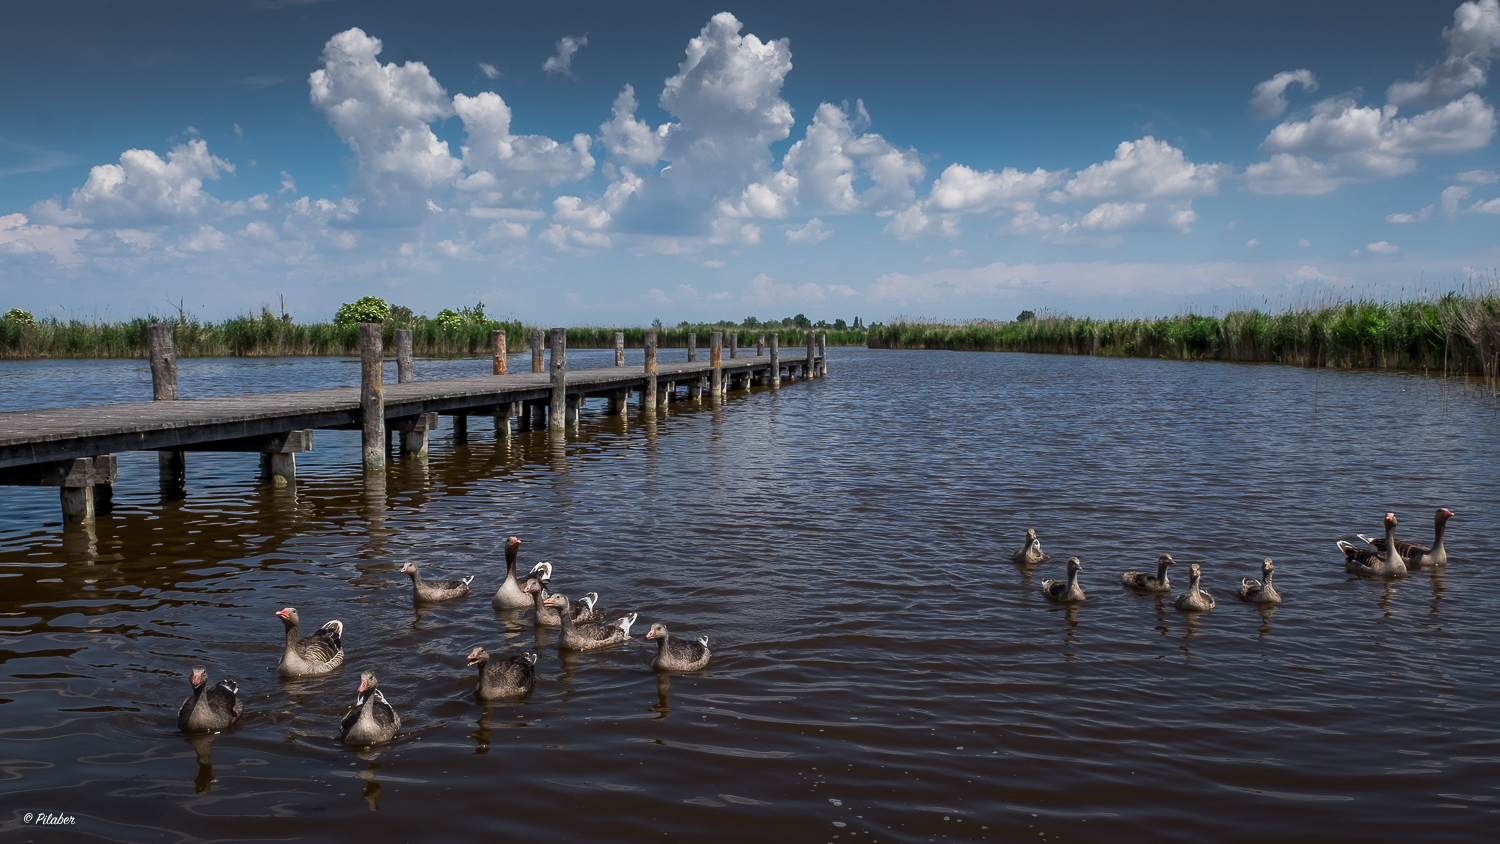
(289, 616)
(658, 630)
(1193, 575)
(478, 656)
(1443, 514)
(557, 599)
(200, 676)
(409, 568)
(1390, 519)
(1166, 560)
(1266, 567)
(1074, 565)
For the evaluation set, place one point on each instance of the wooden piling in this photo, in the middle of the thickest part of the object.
(460, 428)
(536, 351)
(497, 351)
(823, 355)
(716, 365)
(557, 410)
(575, 405)
(171, 466)
(692, 341)
(502, 421)
(775, 359)
(404, 371)
(734, 345)
(619, 348)
(760, 345)
(648, 393)
(371, 397)
(812, 349)
(163, 363)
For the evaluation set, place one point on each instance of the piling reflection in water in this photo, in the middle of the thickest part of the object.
(874, 643)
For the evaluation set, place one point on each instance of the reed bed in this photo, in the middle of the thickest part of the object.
(1456, 333)
(270, 335)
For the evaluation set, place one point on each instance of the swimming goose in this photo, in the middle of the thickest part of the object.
(591, 636)
(1387, 563)
(508, 596)
(372, 720)
(1259, 591)
(1142, 582)
(209, 709)
(434, 590)
(1065, 591)
(1195, 599)
(548, 616)
(1030, 552)
(513, 676)
(321, 652)
(678, 656)
(1419, 556)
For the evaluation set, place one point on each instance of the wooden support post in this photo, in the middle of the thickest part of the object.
(502, 420)
(734, 345)
(760, 345)
(536, 350)
(171, 465)
(497, 351)
(557, 410)
(695, 388)
(76, 479)
(619, 348)
(404, 372)
(716, 365)
(648, 392)
(460, 428)
(538, 415)
(413, 431)
(812, 351)
(617, 401)
(823, 355)
(775, 359)
(371, 397)
(692, 346)
(575, 404)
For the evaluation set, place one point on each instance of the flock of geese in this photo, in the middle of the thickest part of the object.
(372, 720)
(1387, 557)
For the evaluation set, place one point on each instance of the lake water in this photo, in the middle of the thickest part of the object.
(882, 671)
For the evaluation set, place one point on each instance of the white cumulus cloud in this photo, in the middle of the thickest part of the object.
(142, 190)
(1383, 248)
(812, 232)
(1473, 42)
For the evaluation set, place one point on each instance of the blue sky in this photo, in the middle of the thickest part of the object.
(610, 163)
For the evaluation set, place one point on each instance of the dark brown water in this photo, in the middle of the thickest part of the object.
(882, 672)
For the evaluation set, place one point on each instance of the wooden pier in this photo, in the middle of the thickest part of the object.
(72, 448)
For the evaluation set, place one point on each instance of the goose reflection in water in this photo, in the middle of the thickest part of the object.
(1266, 611)
(663, 705)
(489, 720)
(203, 749)
(371, 791)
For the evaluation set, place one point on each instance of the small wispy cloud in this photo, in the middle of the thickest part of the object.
(255, 83)
(489, 70)
(562, 63)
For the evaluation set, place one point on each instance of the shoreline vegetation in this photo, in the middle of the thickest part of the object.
(1457, 333)
(449, 334)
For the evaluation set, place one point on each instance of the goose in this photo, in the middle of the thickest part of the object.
(548, 616)
(372, 720)
(1142, 582)
(678, 656)
(321, 652)
(1387, 563)
(591, 636)
(509, 596)
(1030, 552)
(511, 677)
(209, 709)
(1195, 599)
(1419, 556)
(434, 590)
(1259, 591)
(1065, 591)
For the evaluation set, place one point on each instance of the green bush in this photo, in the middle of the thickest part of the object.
(449, 320)
(367, 309)
(20, 317)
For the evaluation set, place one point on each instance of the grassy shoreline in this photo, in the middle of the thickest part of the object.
(1458, 333)
(271, 336)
